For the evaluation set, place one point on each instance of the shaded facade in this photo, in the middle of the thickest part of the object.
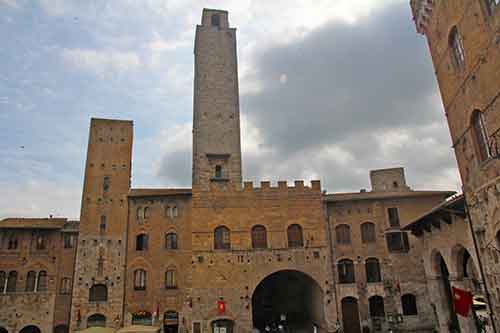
(463, 38)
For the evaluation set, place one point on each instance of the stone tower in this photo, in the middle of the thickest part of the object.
(216, 119)
(100, 263)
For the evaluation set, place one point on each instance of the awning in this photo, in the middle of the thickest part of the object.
(139, 329)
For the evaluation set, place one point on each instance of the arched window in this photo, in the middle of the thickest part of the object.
(345, 269)
(96, 320)
(171, 241)
(147, 212)
(368, 232)
(222, 238)
(259, 237)
(140, 277)
(3, 281)
(409, 303)
(376, 304)
(40, 241)
(372, 267)
(11, 282)
(98, 293)
(30, 281)
(170, 279)
(480, 135)
(294, 234)
(141, 242)
(490, 6)
(139, 213)
(41, 283)
(343, 234)
(457, 48)
(65, 286)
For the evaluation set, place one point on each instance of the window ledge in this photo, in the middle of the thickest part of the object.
(219, 179)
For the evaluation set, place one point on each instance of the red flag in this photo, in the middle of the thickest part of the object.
(221, 307)
(462, 301)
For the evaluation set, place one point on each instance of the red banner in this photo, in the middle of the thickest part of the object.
(462, 301)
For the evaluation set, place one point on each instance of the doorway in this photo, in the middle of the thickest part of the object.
(289, 297)
(171, 322)
(350, 315)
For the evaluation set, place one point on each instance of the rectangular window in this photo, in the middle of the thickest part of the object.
(393, 217)
(69, 241)
(397, 241)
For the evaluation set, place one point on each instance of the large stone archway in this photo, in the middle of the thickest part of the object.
(30, 329)
(291, 293)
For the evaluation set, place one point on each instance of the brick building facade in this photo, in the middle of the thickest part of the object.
(226, 255)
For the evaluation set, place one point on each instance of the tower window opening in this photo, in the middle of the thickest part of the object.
(218, 171)
(457, 48)
(105, 184)
(215, 20)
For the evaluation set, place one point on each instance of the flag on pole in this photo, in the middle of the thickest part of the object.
(462, 301)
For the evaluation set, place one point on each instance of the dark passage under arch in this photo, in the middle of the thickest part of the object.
(290, 293)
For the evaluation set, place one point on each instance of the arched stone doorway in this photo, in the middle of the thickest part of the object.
(170, 322)
(350, 315)
(96, 320)
(291, 293)
(451, 319)
(222, 326)
(30, 329)
(142, 318)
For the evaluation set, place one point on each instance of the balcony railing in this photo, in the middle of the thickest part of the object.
(494, 144)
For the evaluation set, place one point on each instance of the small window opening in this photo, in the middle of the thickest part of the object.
(141, 242)
(215, 20)
(105, 184)
(393, 217)
(218, 171)
(102, 224)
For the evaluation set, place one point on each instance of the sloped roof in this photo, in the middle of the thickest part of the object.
(158, 192)
(378, 195)
(33, 223)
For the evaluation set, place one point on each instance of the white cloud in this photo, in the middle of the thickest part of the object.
(100, 62)
(39, 198)
(10, 3)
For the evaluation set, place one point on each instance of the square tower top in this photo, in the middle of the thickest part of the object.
(215, 18)
(392, 180)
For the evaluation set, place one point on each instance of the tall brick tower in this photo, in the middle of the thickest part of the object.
(99, 273)
(216, 119)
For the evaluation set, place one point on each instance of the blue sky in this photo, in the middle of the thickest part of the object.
(328, 91)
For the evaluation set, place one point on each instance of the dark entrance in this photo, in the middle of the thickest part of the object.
(3, 330)
(170, 322)
(350, 315)
(30, 329)
(222, 326)
(453, 325)
(292, 294)
(61, 329)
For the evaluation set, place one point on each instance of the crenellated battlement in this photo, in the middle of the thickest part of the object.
(283, 186)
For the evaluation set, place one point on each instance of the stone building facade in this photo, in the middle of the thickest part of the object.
(227, 255)
(464, 38)
(377, 264)
(36, 273)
